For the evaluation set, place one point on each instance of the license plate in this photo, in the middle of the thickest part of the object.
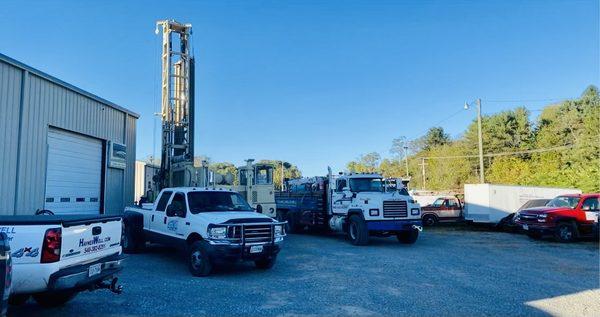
(256, 249)
(94, 269)
(525, 227)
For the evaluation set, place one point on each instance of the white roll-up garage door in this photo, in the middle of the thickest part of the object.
(73, 175)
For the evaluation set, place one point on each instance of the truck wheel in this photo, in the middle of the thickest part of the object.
(565, 232)
(18, 300)
(198, 260)
(408, 237)
(54, 299)
(292, 225)
(130, 241)
(357, 231)
(266, 262)
(429, 220)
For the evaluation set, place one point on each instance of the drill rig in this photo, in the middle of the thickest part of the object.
(177, 108)
(177, 115)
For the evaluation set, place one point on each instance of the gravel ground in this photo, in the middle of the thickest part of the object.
(449, 271)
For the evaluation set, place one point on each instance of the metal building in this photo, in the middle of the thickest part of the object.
(61, 148)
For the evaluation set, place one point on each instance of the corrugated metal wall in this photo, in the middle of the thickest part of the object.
(30, 102)
(10, 90)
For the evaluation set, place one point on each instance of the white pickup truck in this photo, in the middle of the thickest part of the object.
(210, 225)
(56, 257)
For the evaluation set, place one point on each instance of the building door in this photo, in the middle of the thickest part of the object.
(73, 173)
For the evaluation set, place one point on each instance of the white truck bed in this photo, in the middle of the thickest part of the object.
(84, 239)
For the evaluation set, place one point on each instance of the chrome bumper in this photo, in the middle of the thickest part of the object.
(78, 277)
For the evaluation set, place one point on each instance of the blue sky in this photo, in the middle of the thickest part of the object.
(315, 83)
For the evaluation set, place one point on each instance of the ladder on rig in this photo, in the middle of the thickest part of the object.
(177, 104)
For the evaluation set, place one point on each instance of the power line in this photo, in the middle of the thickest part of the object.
(443, 120)
(524, 100)
(556, 148)
(497, 101)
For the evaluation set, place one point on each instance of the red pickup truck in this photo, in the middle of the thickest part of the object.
(566, 217)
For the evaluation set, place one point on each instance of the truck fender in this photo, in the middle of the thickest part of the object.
(134, 221)
(427, 213)
(351, 212)
(568, 219)
(193, 237)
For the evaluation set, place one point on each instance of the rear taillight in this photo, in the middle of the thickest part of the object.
(51, 245)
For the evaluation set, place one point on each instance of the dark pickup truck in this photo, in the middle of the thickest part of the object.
(566, 218)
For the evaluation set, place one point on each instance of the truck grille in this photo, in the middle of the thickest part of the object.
(394, 208)
(527, 218)
(257, 233)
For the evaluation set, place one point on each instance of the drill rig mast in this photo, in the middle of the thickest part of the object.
(177, 106)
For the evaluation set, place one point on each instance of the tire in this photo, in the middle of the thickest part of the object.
(198, 259)
(18, 300)
(534, 235)
(408, 237)
(429, 220)
(357, 231)
(266, 262)
(130, 241)
(54, 299)
(565, 232)
(292, 225)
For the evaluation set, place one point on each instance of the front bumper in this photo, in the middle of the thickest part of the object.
(77, 277)
(393, 225)
(234, 253)
(537, 227)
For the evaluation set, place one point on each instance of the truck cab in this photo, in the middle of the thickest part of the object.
(256, 185)
(212, 225)
(361, 207)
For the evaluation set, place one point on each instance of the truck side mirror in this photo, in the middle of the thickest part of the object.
(348, 193)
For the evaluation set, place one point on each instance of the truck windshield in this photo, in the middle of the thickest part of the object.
(564, 201)
(438, 202)
(216, 201)
(264, 175)
(366, 184)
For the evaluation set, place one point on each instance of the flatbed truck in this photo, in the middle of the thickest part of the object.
(357, 204)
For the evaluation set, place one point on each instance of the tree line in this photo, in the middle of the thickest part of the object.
(559, 148)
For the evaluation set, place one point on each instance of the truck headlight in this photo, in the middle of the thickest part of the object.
(542, 217)
(374, 212)
(415, 211)
(217, 232)
(279, 231)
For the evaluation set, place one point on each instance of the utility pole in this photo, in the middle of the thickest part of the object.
(480, 139)
(481, 171)
(423, 171)
(282, 175)
(406, 159)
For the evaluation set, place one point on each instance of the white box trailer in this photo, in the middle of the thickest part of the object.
(489, 203)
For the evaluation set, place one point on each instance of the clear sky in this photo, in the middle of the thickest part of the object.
(315, 83)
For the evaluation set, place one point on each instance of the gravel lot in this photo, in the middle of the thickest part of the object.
(449, 271)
